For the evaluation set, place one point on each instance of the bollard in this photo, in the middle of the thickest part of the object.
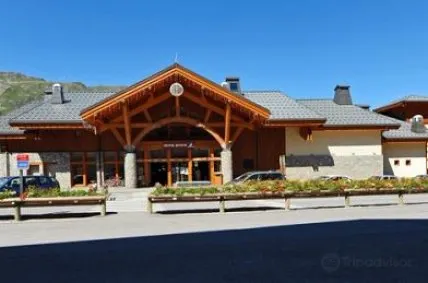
(400, 198)
(104, 208)
(287, 203)
(17, 209)
(222, 206)
(149, 206)
(347, 201)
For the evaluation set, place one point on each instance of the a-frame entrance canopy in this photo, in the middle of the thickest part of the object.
(200, 103)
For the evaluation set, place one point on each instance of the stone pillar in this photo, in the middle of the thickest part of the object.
(226, 165)
(100, 181)
(130, 170)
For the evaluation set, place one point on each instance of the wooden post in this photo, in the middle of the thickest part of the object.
(212, 177)
(149, 206)
(85, 170)
(222, 205)
(177, 106)
(227, 124)
(17, 211)
(104, 208)
(189, 165)
(169, 174)
(401, 198)
(287, 203)
(127, 122)
(347, 200)
(147, 173)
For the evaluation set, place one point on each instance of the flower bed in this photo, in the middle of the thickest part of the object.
(301, 188)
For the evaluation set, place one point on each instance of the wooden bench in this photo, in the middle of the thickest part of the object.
(18, 203)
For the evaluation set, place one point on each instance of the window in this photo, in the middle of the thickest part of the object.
(408, 162)
(33, 170)
(31, 182)
(44, 182)
(113, 166)
(396, 162)
(248, 164)
(83, 168)
(253, 177)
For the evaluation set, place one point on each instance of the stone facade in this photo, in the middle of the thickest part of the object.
(356, 167)
(4, 164)
(55, 164)
(130, 170)
(226, 165)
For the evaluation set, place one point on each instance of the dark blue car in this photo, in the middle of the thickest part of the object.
(13, 183)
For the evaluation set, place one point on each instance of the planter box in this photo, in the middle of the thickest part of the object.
(17, 203)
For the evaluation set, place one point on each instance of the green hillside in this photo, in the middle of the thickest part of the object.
(17, 89)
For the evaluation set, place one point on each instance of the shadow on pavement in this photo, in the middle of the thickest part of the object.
(216, 210)
(54, 215)
(349, 251)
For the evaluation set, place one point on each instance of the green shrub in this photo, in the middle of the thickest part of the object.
(298, 186)
(7, 194)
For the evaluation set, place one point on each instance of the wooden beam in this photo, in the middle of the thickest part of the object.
(189, 165)
(126, 119)
(212, 107)
(212, 173)
(120, 125)
(118, 137)
(207, 115)
(177, 106)
(169, 172)
(227, 124)
(147, 115)
(232, 124)
(237, 134)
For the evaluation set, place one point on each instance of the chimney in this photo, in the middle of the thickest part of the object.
(418, 124)
(234, 84)
(57, 94)
(342, 95)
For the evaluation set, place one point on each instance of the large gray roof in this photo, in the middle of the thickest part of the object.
(5, 128)
(404, 132)
(346, 115)
(408, 98)
(281, 106)
(61, 113)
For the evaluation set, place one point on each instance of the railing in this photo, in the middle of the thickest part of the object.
(18, 203)
(286, 195)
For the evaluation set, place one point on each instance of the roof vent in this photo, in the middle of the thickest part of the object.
(234, 84)
(57, 94)
(342, 95)
(418, 124)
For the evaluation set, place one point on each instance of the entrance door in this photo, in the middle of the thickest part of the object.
(159, 173)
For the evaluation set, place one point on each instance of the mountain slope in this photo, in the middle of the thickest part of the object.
(17, 89)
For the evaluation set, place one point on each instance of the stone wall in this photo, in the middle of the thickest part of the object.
(55, 164)
(356, 167)
(4, 164)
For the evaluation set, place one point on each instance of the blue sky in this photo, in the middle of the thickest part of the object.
(303, 48)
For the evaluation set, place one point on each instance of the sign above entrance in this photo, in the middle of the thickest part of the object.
(178, 145)
(176, 89)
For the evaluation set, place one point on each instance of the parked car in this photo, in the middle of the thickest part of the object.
(334, 178)
(383, 177)
(258, 176)
(13, 183)
(422, 177)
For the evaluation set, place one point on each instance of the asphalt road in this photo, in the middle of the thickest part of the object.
(363, 244)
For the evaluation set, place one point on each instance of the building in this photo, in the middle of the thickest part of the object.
(179, 126)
